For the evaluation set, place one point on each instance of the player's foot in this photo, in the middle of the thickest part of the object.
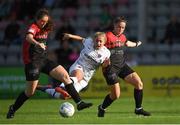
(142, 112)
(43, 88)
(64, 94)
(101, 111)
(10, 113)
(82, 105)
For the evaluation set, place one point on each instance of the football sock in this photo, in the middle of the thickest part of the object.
(74, 79)
(107, 102)
(138, 95)
(53, 93)
(80, 85)
(20, 101)
(72, 91)
(77, 85)
(56, 95)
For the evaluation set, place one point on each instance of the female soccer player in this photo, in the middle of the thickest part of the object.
(118, 68)
(91, 57)
(35, 60)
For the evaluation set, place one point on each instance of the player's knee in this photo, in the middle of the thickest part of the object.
(29, 94)
(139, 85)
(66, 79)
(115, 96)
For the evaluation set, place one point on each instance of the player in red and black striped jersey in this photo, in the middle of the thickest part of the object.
(36, 61)
(118, 68)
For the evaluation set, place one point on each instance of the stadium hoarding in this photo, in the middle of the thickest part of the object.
(158, 81)
(12, 81)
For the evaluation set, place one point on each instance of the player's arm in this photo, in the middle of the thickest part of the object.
(30, 39)
(74, 37)
(106, 63)
(133, 44)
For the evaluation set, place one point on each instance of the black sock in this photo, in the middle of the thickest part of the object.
(72, 91)
(107, 102)
(20, 101)
(138, 96)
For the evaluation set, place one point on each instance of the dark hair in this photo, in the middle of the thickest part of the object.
(40, 14)
(119, 19)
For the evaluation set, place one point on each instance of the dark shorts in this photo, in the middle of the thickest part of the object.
(33, 69)
(112, 73)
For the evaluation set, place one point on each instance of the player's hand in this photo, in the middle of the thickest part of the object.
(66, 36)
(138, 43)
(106, 62)
(41, 45)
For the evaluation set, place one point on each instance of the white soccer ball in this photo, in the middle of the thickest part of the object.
(66, 109)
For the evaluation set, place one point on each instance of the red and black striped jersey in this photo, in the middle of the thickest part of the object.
(115, 45)
(30, 51)
(114, 41)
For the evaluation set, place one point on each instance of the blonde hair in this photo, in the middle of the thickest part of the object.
(100, 34)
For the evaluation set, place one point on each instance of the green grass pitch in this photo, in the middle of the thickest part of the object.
(165, 110)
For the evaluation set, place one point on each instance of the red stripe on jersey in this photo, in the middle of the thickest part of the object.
(38, 36)
(26, 56)
(36, 32)
(115, 41)
(33, 29)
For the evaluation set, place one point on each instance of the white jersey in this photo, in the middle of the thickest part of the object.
(90, 58)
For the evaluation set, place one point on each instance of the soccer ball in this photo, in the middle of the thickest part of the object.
(66, 109)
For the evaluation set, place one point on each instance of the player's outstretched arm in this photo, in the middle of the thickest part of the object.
(133, 44)
(74, 37)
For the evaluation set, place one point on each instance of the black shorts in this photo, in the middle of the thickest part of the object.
(33, 69)
(112, 73)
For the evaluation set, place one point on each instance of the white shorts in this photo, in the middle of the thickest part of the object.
(87, 72)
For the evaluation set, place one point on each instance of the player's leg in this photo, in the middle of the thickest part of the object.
(135, 80)
(30, 89)
(112, 80)
(61, 74)
(108, 100)
(81, 76)
(43, 87)
(32, 75)
(80, 85)
(60, 92)
(57, 92)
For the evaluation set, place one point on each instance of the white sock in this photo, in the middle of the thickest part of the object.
(80, 85)
(77, 85)
(53, 93)
(62, 85)
(57, 95)
(74, 79)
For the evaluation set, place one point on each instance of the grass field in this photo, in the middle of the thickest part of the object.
(45, 111)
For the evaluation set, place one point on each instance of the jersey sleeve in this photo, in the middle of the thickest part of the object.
(87, 41)
(32, 30)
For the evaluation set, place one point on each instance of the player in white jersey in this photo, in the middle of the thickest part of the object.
(93, 55)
